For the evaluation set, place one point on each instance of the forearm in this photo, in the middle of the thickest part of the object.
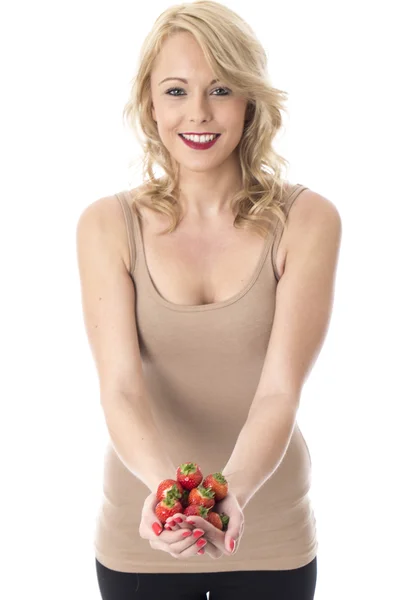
(136, 439)
(260, 447)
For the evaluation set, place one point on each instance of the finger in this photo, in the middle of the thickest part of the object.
(178, 518)
(179, 548)
(212, 550)
(171, 526)
(176, 522)
(212, 534)
(176, 527)
(149, 518)
(188, 548)
(196, 521)
(176, 535)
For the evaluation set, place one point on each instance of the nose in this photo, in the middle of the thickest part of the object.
(198, 109)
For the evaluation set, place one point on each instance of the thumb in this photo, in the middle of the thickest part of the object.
(149, 513)
(230, 539)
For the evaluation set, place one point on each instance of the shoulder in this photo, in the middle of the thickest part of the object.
(107, 213)
(310, 212)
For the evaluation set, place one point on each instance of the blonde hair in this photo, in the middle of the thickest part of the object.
(236, 57)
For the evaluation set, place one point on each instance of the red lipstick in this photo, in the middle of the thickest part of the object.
(199, 145)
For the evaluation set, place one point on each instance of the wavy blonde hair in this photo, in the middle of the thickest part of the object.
(237, 57)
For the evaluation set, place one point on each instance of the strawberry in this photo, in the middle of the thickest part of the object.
(214, 518)
(219, 520)
(189, 475)
(218, 484)
(196, 510)
(202, 496)
(168, 507)
(169, 485)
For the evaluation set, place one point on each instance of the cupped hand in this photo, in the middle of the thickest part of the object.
(218, 541)
(172, 542)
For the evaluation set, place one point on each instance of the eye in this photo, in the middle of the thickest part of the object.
(227, 92)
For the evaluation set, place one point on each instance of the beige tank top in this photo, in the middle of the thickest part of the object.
(213, 355)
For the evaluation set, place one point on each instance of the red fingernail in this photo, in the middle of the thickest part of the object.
(201, 551)
(186, 534)
(190, 522)
(178, 519)
(157, 528)
(232, 545)
(197, 533)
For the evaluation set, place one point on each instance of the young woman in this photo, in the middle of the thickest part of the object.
(207, 294)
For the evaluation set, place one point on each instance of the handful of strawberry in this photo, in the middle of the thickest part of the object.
(190, 494)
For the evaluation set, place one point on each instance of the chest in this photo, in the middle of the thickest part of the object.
(201, 264)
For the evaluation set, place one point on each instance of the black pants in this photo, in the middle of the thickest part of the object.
(293, 584)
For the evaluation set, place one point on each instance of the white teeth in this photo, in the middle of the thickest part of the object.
(199, 138)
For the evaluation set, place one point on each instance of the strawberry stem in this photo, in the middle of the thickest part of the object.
(188, 468)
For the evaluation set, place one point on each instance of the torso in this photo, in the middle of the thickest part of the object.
(201, 263)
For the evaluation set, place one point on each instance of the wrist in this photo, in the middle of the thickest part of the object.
(235, 488)
(241, 497)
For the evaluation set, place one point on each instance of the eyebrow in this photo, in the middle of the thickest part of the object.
(184, 80)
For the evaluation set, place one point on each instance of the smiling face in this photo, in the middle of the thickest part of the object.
(199, 105)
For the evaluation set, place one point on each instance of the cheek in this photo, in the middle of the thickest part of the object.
(168, 129)
(231, 118)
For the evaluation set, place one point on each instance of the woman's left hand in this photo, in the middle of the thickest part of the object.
(219, 539)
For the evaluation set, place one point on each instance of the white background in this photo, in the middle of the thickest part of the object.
(65, 73)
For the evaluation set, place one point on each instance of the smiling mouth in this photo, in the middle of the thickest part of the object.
(200, 145)
(217, 135)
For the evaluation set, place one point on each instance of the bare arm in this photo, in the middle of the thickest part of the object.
(136, 439)
(303, 309)
(108, 304)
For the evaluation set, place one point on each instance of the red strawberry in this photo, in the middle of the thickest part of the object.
(218, 520)
(218, 484)
(195, 510)
(168, 507)
(169, 485)
(214, 518)
(202, 496)
(189, 475)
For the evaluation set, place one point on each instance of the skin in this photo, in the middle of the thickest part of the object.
(170, 539)
(207, 181)
(208, 178)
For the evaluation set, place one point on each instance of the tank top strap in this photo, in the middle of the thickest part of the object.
(294, 191)
(125, 203)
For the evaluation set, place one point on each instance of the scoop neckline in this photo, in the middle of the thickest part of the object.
(202, 307)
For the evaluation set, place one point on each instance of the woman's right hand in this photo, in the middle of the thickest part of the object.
(210, 548)
(172, 542)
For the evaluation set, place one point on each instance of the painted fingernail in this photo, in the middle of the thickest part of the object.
(178, 520)
(232, 545)
(201, 543)
(197, 533)
(167, 527)
(171, 523)
(157, 528)
(191, 522)
(186, 534)
(201, 551)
